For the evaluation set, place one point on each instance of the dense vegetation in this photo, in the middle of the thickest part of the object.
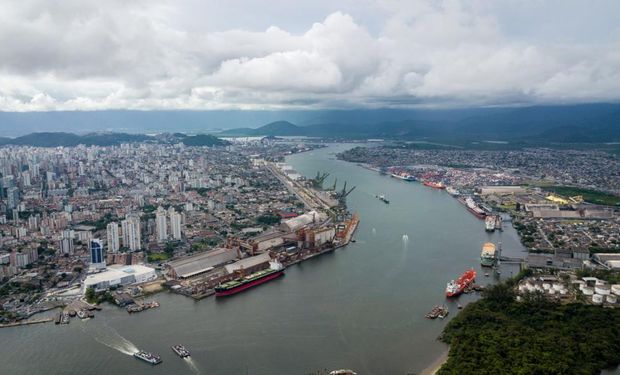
(269, 219)
(497, 335)
(97, 298)
(56, 139)
(591, 196)
(203, 140)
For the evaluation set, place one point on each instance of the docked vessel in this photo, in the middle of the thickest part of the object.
(147, 357)
(274, 271)
(180, 350)
(434, 185)
(458, 286)
(343, 372)
(489, 223)
(403, 176)
(452, 191)
(472, 207)
(383, 199)
(488, 256)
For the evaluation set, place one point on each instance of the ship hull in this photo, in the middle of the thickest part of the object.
(487, 262)
(404, 178)
(477, 214)
(248, 285)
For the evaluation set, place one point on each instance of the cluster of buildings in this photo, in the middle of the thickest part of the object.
(67, 210)
(584, 168)
(561, 232)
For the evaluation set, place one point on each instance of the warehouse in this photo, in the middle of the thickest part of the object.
(119, 275)
(201, 263)
(251, 264)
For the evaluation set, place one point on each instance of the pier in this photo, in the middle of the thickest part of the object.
(26, 322)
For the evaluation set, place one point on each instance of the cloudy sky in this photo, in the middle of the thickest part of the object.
(250, 54)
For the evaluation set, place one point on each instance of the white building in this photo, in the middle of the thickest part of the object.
(113, 239)
(161, 225)
(131, 232)
(118, 275)
(175, 225)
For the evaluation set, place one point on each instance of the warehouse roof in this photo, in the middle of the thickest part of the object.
(248, 262)
(202, 262)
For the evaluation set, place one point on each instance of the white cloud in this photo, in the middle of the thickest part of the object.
(138, 54)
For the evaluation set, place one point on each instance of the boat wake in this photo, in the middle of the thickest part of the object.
(192, 365)
(112, 339)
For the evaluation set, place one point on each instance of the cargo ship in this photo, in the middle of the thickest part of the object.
(228, 288)
(147, 357)
(473, 207)
(434, 185)
(488, 256)
(452, 191)
(180, 350)
(403, 176)
(489, 223)
(458, 286)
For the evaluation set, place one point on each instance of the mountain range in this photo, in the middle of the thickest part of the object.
(562, 124)
(582, 123)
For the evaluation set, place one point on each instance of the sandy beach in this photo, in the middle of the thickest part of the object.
(436, 365)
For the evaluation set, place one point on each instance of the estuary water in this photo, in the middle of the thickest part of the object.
(361, 307)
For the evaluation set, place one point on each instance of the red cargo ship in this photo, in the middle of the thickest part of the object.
(235, 286)
(456, 287)
(434, 185)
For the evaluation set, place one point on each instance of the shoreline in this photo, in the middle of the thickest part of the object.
(437, 363)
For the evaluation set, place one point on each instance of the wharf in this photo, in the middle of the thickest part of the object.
(26, 322)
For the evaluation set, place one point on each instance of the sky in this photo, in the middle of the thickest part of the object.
(306, 54)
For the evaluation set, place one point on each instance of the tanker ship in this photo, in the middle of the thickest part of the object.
(456, 287)
(275, 270)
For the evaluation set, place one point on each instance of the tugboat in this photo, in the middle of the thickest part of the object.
(383, 199)
(147, 357)
(180, 350)
(438, 311)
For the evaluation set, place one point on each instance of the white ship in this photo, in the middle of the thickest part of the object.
(452, 191)
(489, 223)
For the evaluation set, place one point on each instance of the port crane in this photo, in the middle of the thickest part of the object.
(317, 182)
(342, 195)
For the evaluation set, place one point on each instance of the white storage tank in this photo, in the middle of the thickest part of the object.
(551, 291)
(597, 299)
(588, 291)
(615, 289)
(603, 290)
(563, 291)
(546, 286)
(612, 298)
(557, 287)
